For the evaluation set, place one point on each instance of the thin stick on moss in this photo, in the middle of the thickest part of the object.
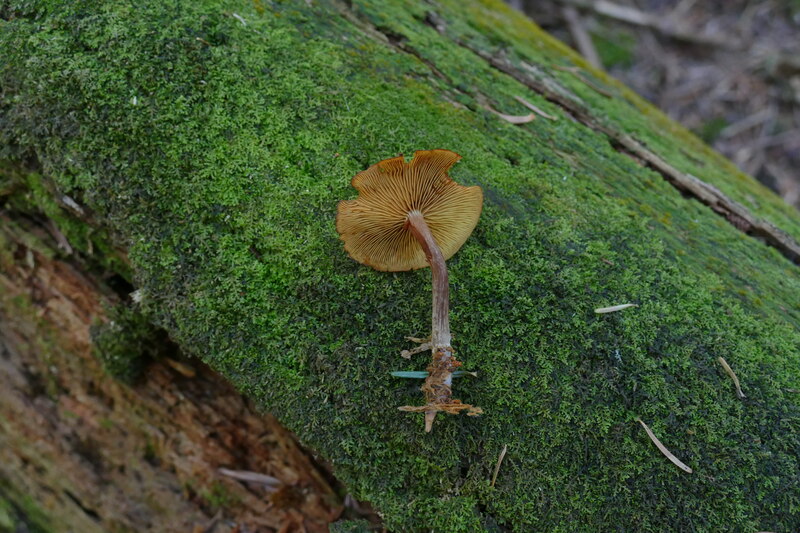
(614, 308)
(732, 375)
(663, 449)
(513, 119)
(499, 462)
(533, 108)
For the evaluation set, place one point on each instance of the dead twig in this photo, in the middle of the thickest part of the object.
(751, 121)
(499, 462)
(730, 372)
(666, 26)
(582, 38)
(663, 449)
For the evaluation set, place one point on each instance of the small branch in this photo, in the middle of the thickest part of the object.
(756, 119)
(180, 368)
(62, 241)
(582, 38)
(667, 26)
(514, 119)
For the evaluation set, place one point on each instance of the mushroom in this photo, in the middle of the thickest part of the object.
(409, 216)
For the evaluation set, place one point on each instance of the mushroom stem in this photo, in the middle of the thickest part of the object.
(440, 319)
(437, 387)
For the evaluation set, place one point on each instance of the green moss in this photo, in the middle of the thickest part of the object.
(217, 151)
(614, 46)
(124, 343)
(711, 129)
(30, 192)
(7, 520)
(19, 512)
(217, 496)
(351, 526)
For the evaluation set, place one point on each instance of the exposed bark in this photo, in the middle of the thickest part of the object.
(101, 455)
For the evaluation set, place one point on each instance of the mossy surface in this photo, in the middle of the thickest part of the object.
(125, 343)
(18, 513)
(217, 138)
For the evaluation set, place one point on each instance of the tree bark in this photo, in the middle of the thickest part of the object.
(169, 180)
(81, 451)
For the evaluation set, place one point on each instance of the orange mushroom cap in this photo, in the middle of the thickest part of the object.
(373, 226)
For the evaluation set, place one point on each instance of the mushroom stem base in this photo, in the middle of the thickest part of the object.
(438, 385)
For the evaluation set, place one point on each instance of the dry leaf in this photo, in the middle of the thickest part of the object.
(729, 370)
(663, 449)
(614, 308)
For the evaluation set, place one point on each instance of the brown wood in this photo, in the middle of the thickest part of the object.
(101, 455)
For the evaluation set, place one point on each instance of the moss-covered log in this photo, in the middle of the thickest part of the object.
(212, 140)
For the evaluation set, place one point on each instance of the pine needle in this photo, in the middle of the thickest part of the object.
(729, 371)
(614, 308)
(499, 462)
(534, 108)
(663, 449)
(517, 119)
